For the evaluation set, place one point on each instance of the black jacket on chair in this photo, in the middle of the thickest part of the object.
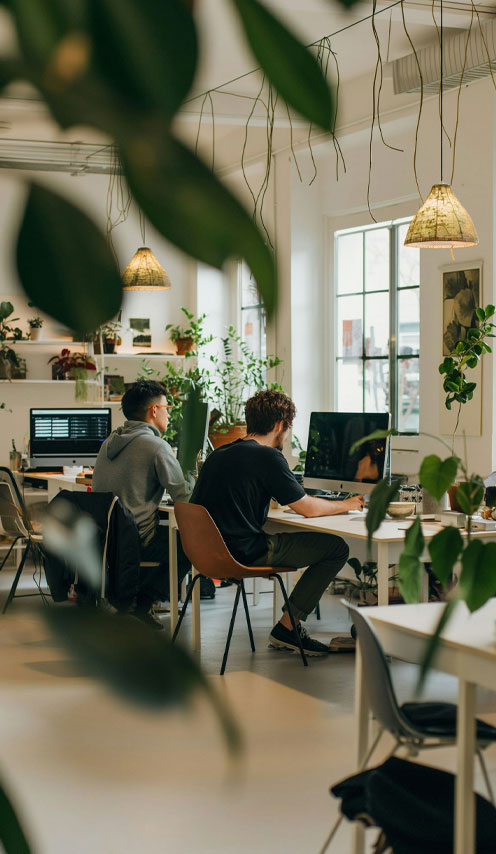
(123, 551)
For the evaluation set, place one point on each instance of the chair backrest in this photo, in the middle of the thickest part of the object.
(203, 543)
(377, 677)
(13, 515)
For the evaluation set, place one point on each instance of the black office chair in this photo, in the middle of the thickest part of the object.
(17, 525)
(416, 726)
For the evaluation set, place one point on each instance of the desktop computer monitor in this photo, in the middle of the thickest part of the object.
(329, 465)
(67, 437)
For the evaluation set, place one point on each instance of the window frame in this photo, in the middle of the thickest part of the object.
(393, 358)
(242, 267)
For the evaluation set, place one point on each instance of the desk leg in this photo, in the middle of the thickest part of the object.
(195, 605)
(173, 572)
(382, 574)
(361, 740)
(256, 591)
(464, 785)
(424, 585)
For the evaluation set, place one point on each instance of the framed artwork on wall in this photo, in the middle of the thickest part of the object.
(461, 288)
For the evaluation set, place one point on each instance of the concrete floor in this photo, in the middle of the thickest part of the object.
(89, 773)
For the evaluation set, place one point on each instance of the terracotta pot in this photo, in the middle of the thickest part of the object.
(184, 345)
(109, 345)
(452, 498)
(225, 435)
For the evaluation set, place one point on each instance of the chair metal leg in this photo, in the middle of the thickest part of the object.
(8, 553)
(183, 609)
(231, 627)
(486, 776)
(245, 603)
(17, 577)
(290, 612)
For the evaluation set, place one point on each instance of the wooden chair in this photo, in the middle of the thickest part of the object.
(207, 551)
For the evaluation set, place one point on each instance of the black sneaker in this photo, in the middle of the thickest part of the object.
(150, 619)
(282, 638)
(207, 588)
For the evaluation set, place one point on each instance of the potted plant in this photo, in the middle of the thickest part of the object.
(466, 354)
(73, 366)
(188, 338)
(6, 330)
(237, 374)
(35, 324)
(8, 361)
(108, 335)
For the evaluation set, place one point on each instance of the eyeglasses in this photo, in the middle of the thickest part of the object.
(161, 406)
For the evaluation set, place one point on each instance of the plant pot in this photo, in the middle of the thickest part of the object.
(35, 333)
(5, 369)
(18, 372)
(225, 435)
(184, 345)
(452, 498)
(109, 345)
(57, 373)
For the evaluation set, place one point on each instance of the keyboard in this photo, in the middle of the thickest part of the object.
(329, 495)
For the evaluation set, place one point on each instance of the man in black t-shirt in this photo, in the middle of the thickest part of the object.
(236, 484)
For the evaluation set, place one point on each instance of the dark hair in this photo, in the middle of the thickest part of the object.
(140, 397)
(266, 408)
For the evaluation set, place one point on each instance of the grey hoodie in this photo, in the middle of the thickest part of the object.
(137, 465)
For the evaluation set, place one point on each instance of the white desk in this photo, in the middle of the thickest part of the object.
(387, 542)
(467, 650)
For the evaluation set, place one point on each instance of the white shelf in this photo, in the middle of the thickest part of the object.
(51, 382)
(140, 356)
(50, 341)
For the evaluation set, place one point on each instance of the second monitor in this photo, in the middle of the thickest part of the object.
(329, 465)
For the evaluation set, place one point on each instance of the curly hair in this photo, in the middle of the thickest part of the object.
(140, 397)
(266, 408)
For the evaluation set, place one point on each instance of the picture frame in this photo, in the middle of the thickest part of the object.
(461, 295)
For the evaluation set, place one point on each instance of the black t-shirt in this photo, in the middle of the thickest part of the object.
(236, 484)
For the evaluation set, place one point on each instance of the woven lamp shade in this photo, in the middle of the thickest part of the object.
(144, 273)
(441, 223)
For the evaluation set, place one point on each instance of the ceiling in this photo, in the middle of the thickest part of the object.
(225, 55)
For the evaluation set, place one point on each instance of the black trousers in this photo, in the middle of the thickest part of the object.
(154, 580)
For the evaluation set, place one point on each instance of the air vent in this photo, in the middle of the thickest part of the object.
(405, 72)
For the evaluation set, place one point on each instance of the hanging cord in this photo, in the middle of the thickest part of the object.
(379, 71)
(118, 195)
(293, 152)
(439, 95)
(142, 225)
(245, 143)
(325, 45)
(421, 102)
(272, 101)
(208, 95)
(467, 42)
(484, 42)
(441, 91)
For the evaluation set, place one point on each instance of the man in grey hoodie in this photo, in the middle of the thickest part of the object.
(137, 465)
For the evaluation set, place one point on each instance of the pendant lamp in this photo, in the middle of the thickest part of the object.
(442, 222)
(145, 273)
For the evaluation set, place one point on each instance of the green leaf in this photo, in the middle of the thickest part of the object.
(377, 434)
(380, 497)
(192, 209)
(288, 64)
(12, 838)
(42, 24)
(437, 475)
(474, 332)
(446, 365)
(470, 494)
(444, 550)
(146, 51)
(433, 643)
(481, 314)
(410, 567)
(64, 263)
(489, 310)
(192, 429)
(478, 576)
(356, 566)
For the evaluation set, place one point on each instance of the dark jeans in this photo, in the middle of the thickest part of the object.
(324, 554)
(154, 580)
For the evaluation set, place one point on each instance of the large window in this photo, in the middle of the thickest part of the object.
(377, 311)
(252, 312)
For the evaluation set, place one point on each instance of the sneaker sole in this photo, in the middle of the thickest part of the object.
(277, 644)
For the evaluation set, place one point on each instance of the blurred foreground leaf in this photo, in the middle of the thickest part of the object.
(191, 208)
(470, 494)
(12, 837)
(410, 567)
(433, 643)
(437, 475)
(377, 434)
(380, 498)
(65, 265)
(137, 663)
(444, 550)
(192, 429)
(288, 64)
(478, 575)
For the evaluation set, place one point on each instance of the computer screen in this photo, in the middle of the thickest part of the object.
(328, 463)
(67, 436)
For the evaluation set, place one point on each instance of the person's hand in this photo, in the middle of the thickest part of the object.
(355, 503)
